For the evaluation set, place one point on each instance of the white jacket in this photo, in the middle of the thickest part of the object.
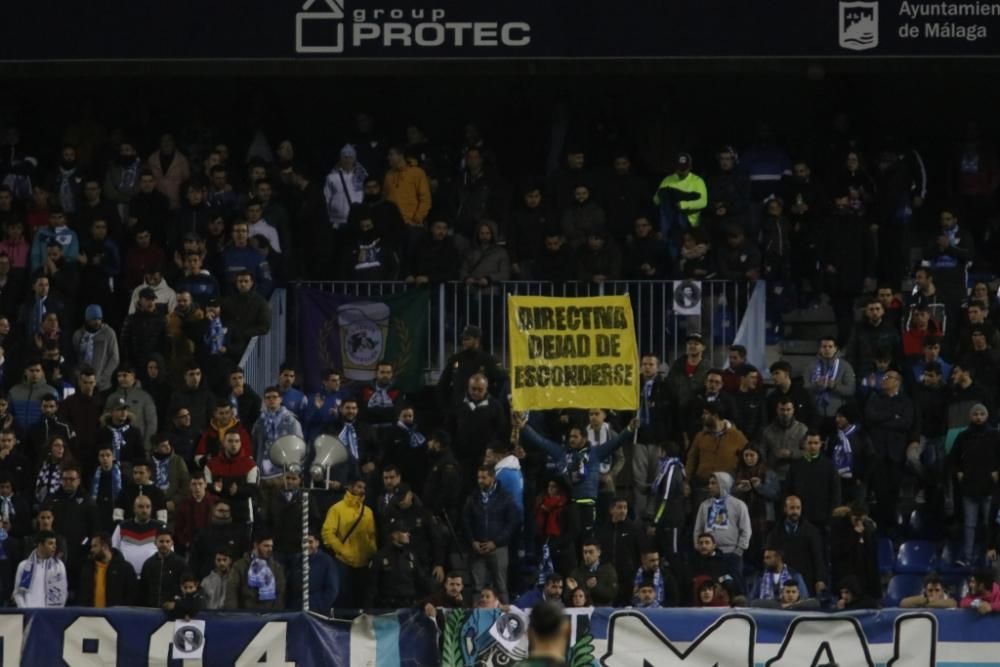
(48, 587)
(338, 202)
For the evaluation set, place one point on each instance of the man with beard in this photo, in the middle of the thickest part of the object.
(362, 446)
(380, 401)
(555, 259)
(121, 182)
(107, 579)
(435, 258)
(66, 182)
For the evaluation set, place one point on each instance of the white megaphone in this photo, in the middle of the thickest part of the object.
(329, 451)
(289, 451)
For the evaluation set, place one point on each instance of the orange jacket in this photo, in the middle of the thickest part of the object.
(409, 189)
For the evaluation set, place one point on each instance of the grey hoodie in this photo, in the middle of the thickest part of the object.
(141, 407)
(105, 356)
(731, 524)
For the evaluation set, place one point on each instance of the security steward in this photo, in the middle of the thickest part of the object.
(397, 578)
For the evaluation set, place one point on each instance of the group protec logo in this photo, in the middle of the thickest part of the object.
(334, 29)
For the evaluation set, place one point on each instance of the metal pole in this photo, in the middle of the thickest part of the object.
(305, 549)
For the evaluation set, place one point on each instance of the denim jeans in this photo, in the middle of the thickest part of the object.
(976, 511)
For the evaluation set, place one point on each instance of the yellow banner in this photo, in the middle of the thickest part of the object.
(573, 353)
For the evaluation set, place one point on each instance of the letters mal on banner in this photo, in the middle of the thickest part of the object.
(573, 353)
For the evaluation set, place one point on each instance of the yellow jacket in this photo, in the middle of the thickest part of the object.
(409, 189)
(359, 547)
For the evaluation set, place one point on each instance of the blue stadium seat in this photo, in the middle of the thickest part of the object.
(886, 555)
(916, 557)
(953, 552)
(901, 586)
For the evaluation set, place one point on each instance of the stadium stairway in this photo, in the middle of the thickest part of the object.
(802, 330)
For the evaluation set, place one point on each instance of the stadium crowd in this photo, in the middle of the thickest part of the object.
(135, 461)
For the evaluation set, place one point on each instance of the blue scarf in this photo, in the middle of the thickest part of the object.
(640, 576)
(66, 199)
(644, 412)
(485, 496)
(3, 544)
(259, 576)
(546, 567)
(380, 397)
(417, 439)
(118, 438)
(349, 436)
(55, 590)
(116, 481)
(843, 455)
(771, 583)
(129, 173)
(49, 480)
(162, 472)
(718, 514)
(600, 437)
(215, 336)
(828, 370)
(87, 347)
(271, 422)
(7, 507)
(576, 464)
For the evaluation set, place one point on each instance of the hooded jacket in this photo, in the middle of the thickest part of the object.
(511, 480)
(142, 410)
(356, 547)
(105, 354)
(731, 525)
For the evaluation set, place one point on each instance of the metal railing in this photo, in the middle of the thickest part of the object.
(265, 354)
(659, 327)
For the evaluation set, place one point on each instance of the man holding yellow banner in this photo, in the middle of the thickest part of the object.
(573, 353)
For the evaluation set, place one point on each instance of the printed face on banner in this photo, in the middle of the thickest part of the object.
(573, 352)
(687, 297)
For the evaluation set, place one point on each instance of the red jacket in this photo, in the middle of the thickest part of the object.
(191, 517)
(210, 442)
(992, 598)
(223, 467)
